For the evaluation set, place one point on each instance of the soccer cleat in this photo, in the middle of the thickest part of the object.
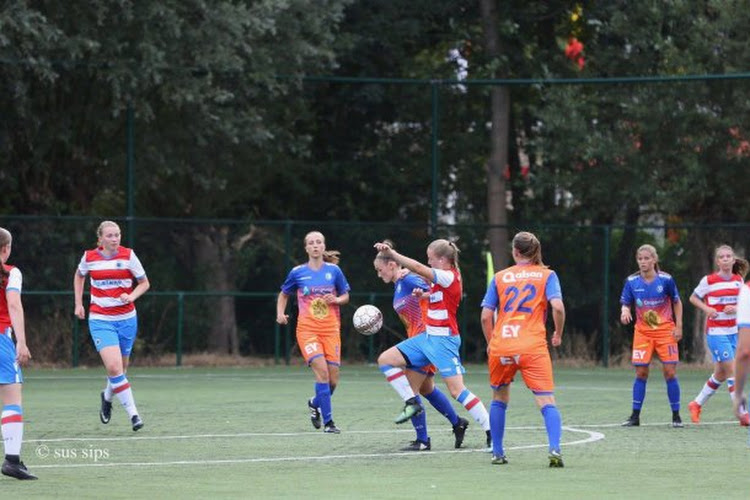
(137, 422)
(411, 409)
(677, 422)
(459, 431)
(418, 445)
(17, 470)
(695, 412)
(632, 421)
(499, 460)
(105, 410)
(330, 428)
(314, 414)
(745, 419)
(555, 460)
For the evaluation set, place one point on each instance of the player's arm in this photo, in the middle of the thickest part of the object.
(407, 262)
(558, 318)
(140, 289)
(677, 306)
(488, 322)
(281, 302)
(78, 282)
(699, 304)
(15, 310)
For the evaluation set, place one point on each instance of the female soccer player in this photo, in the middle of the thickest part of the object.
(742, 359)
(439, 346)
(11, 356)
(716, 295)
(658, 327)
(117, 281)
(517, 339)
(411, 310)
(321, 290)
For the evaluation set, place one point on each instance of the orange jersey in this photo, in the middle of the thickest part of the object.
(520, 295)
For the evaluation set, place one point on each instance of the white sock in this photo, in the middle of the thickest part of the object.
(12, 429)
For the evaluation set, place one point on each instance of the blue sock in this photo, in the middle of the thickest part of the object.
(443, 405)
(639, 392)
(553, 423)
(497, 426)
(323, 400)
(420, 424)
(673, 393)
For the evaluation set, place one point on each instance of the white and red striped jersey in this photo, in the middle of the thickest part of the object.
(111, 277)
(445, 296)
(719, 292)
(13, 282)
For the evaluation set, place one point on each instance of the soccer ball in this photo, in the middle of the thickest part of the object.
(367, 319)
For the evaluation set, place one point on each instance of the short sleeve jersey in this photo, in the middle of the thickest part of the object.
(315, 314)
(652, 300)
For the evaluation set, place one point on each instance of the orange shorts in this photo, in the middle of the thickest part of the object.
(536, 370)
(313, 345)
(663, 343)
(428, 370)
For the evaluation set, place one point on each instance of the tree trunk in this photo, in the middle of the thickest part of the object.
(213, 254)
(497, 215)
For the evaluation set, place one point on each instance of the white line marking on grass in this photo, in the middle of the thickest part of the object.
(592, 436)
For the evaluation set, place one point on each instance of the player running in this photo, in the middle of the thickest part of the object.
(321, 289)
(716, 296)
(117, 281)
(11, 356)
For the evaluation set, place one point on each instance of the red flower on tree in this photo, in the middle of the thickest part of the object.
(574, 52)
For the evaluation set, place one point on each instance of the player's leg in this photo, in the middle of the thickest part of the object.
(643, 348)
(443, 353)
(727, 349)
(536, 370)
(11, 381)
(666, 348)
(392, 361)
(418, 421)
(320, 369)
(501, 375)
(714, 381)
(443, 405)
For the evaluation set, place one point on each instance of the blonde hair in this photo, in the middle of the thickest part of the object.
(100, 230)
(740, 266)
(528, 246)
(5, 239)
(445, 248)
(652, 250)
(331, 256)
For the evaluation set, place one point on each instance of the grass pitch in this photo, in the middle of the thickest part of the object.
(245, 433)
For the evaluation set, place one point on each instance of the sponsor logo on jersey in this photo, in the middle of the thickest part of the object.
(511, 277)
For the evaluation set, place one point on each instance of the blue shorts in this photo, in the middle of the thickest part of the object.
(722, 347)
(109, 333)
(10, 372)
(440, 351)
